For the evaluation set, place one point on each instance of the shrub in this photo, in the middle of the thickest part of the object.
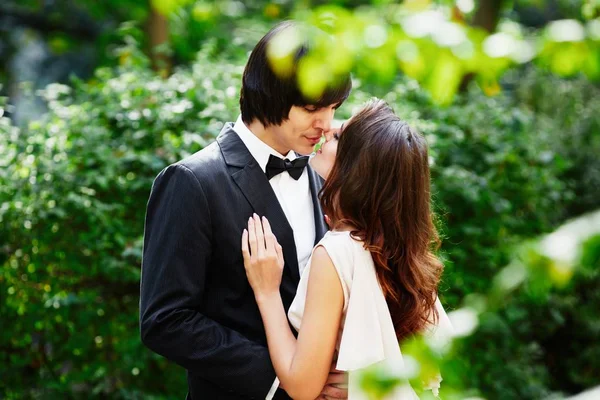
(73, 191)
(567, 110)
(542, 340)
(74, 185)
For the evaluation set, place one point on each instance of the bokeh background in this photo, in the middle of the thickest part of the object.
(98, 96)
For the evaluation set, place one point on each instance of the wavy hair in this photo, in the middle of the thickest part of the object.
(380, 187)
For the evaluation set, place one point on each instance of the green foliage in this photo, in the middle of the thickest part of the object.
(496, 179)
(567, 110)
(73, 190)
(545, 332)
(432, 44)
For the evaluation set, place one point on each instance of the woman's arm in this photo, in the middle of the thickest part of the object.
(302, 365)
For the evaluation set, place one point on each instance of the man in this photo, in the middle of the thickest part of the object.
(197, 308)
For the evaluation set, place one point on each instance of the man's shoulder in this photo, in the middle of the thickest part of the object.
(206, 166)
(204, 161)
(210, 160)
(209, 165)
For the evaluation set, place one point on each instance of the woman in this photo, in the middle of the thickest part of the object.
(372, 280)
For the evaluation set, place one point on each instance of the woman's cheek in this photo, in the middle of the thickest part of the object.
(332, 152)
(329, 157)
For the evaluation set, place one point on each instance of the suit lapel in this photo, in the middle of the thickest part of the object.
(316, 183)
(255, 186)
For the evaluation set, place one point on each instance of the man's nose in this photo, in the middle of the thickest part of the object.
(324, 119)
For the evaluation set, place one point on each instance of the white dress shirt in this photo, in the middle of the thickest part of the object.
(293, 196)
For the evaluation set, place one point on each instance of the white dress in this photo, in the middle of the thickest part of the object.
(366, 335)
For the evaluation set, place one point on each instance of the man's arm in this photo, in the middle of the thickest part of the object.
(177, 248)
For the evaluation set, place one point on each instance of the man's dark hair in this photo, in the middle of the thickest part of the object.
(268, 97)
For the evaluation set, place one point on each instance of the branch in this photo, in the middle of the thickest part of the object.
(77, 27)
(486, 17)
(488, 14)
(157, 28)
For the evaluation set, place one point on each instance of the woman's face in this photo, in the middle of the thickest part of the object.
(323, 160)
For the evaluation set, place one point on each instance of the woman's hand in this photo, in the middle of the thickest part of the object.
(263, 257)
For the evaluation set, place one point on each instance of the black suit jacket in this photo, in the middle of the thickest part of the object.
(197, 308)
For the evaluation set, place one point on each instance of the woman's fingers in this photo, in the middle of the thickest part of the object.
(252, 238)
(270, 238)
(245, 249)
(279, 251)
(260, 236)
(263, 257)
(263, 242)
(273, 245)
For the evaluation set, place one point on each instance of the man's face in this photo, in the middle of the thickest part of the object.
(303, 128)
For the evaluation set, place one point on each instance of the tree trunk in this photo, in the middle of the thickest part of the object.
(486, 17)
(488, 14)
(157, 29)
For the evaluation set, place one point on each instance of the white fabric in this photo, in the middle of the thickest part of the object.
(366, 336)
(294, 198)
(273, 389)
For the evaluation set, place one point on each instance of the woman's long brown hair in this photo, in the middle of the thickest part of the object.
(379, 186)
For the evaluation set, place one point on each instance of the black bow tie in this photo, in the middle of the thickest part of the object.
(277, 165)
